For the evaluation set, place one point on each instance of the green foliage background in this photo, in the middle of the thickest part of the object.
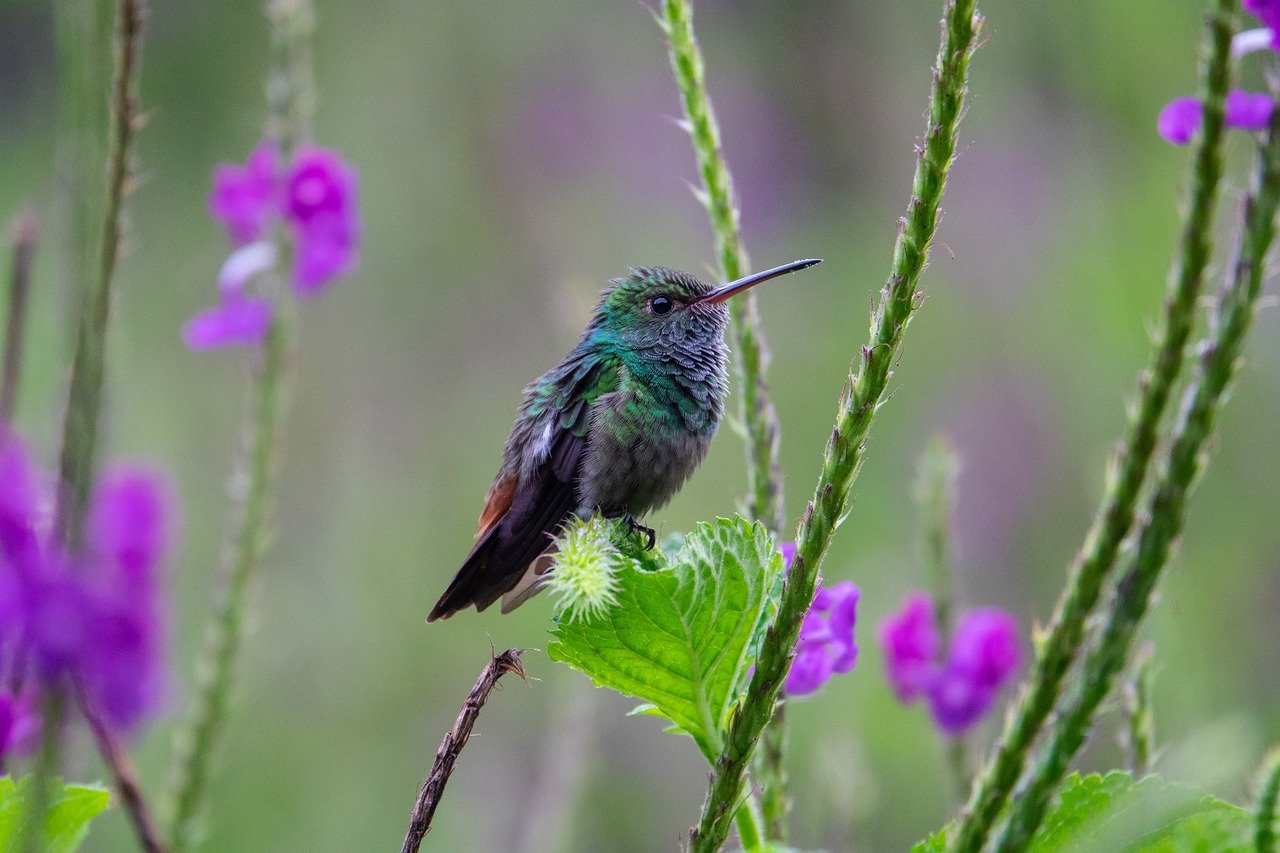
(513, 156)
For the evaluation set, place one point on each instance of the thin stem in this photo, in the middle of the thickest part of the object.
(88, 367)
(756, 409)
(1140, 725)
(934, 490)
(764, 476)
(771, 770)
(451, 747)
(126, 779)
(750, 827)
(1264, 833)
(223, 637)
(935, 487)
(290, 100)
(859, 400)
(1180, 468)
(53, 713)
(25, 231)
(1115, 516)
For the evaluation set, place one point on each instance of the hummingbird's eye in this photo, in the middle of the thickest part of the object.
(661, 305)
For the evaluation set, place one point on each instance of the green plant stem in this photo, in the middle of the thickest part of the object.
(83, 27)
(934, 490)
(859, 400)
(225, 632)
(1181, 467)
(1264, 834)
(290, 100)
(24, 248)
(88, 367)
(53, 713)
(756, 409)
(760, 418)
(749, 823)
(1140, 728)
(771, 771)
(1115, 516)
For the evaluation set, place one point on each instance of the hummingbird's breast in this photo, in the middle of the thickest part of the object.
(649, 435)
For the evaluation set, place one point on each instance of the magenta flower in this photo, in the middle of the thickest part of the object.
(315, 197)
(911, 643)
(19, 725)
(1268, 12)
(961, 689)
(1181, 118)
(244, 198)
(93, 617)
(826, 645)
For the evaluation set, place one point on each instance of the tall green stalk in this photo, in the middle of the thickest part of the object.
(860, 398)
(1264, 833)
(756, 410)
(935, 488)
(1139, 712)
(78, 457)
(1115, 516)
(1180, 469)
(290, 98)
(23, 246)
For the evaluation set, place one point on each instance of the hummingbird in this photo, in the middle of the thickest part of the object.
(616, 427)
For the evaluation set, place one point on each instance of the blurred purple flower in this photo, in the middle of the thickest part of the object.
(244, 198)
(320, 204)
(1180, 120)
(1268, 12)
(19, 725)
(238, 320)
(961, 689)
(315, 197)
(911, 644)
(94, 617)
(984, 654)
(826, 645)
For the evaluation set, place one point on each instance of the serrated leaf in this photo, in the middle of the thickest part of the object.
(679, 638)
(71, 809)
(1114, 812)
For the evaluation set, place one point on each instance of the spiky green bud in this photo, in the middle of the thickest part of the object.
(583, 580)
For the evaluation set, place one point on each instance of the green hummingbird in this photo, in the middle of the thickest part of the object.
(616, 428)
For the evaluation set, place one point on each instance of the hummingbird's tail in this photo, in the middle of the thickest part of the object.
(506, 551)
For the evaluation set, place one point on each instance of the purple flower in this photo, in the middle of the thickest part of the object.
(19, 725)
(315, 197)
(826, 645)
(94, 617)
(911, 643)
(1181, 118)
(238, 320)
(244, 198)
(1268, 12)
(320, 205)
(961, 689)
(1248, 110)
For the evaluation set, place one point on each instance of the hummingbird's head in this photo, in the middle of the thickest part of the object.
(661, 307)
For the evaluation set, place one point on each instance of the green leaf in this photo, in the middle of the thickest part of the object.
(1116, 813)
(71, 809)
(679, 638)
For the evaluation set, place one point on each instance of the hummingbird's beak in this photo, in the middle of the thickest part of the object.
(733, 288)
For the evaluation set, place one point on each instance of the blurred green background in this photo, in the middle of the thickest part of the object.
(512, 157)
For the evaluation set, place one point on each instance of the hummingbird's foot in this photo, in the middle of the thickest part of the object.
(651, 538)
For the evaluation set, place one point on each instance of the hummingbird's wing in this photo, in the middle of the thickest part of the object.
(526, 505)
